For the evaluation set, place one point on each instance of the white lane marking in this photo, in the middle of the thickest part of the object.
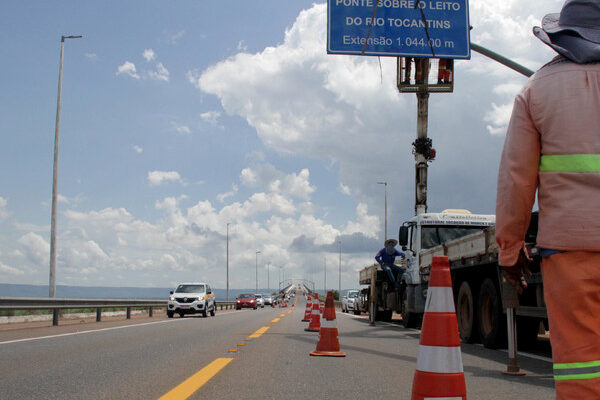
(105, 329)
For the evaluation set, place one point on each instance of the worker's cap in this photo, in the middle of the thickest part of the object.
(390, 242)
(574, 32)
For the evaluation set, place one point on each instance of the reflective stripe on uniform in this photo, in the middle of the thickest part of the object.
(579, 370)
(441, 359)
(570, 163)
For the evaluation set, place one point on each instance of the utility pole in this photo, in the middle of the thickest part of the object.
(52, 283)
(325, 276)
(228, 260)
(340, 272)
(268, 277)
(257, 253)
(385, 230)
(420, 158)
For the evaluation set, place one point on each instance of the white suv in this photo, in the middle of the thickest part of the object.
(351, 301)
(191, 298)
(260, 301)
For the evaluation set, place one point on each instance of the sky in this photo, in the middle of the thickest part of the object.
(179, 118)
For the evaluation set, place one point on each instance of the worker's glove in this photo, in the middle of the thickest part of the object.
(515, 274)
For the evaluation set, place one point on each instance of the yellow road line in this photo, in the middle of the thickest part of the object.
(196, 381)
(276, 320)
(259, 332)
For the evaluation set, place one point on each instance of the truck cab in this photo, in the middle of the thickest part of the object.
(418, 236)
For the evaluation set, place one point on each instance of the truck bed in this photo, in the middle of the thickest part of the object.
(479, 244)
(364, 277)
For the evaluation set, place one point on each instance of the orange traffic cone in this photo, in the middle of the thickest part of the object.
(439, 372)
(328, 335)
(321, 306)
(315, 317)
(308, 310)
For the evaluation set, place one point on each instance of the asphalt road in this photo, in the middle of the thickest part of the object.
(172, 358)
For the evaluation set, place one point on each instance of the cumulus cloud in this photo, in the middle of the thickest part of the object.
(128, 68)
(188, 240)
(351, 244)
(137, 149)
(36, 248)
(268, 178)
(156, 178)
(498, 118)
(223, 196)
(175, 37)
(345, 189)
(10, 270)
(181, 128)
(211, 117)
(161, 73)
(149, 55)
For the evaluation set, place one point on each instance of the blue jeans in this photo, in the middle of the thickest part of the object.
(388, 270)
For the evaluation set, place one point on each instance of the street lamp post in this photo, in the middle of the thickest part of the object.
(257, 253)
(268, 277)
(325, 276)
(340, 272)
(385, 185)
(229, 223)
(52, 284)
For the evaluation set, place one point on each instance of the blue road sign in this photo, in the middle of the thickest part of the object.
(405, 28)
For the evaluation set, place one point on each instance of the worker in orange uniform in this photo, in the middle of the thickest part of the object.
(420, 70)
(444, 70)
(553, 146)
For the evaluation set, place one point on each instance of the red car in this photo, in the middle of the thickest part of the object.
(245, 300)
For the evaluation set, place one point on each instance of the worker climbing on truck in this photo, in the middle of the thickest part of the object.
(553, 146)
(386, 258)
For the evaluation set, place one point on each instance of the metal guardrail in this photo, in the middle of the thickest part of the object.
(54, 304)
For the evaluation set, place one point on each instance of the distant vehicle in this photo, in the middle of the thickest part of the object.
(245, 300)
(260, 301)
(268, 300)
(351, 301)
(191, 298)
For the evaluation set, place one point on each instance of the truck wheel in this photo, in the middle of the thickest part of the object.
(465, 313)
(409, 319)
(356, 312)
(492, 323)
(170, 314)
